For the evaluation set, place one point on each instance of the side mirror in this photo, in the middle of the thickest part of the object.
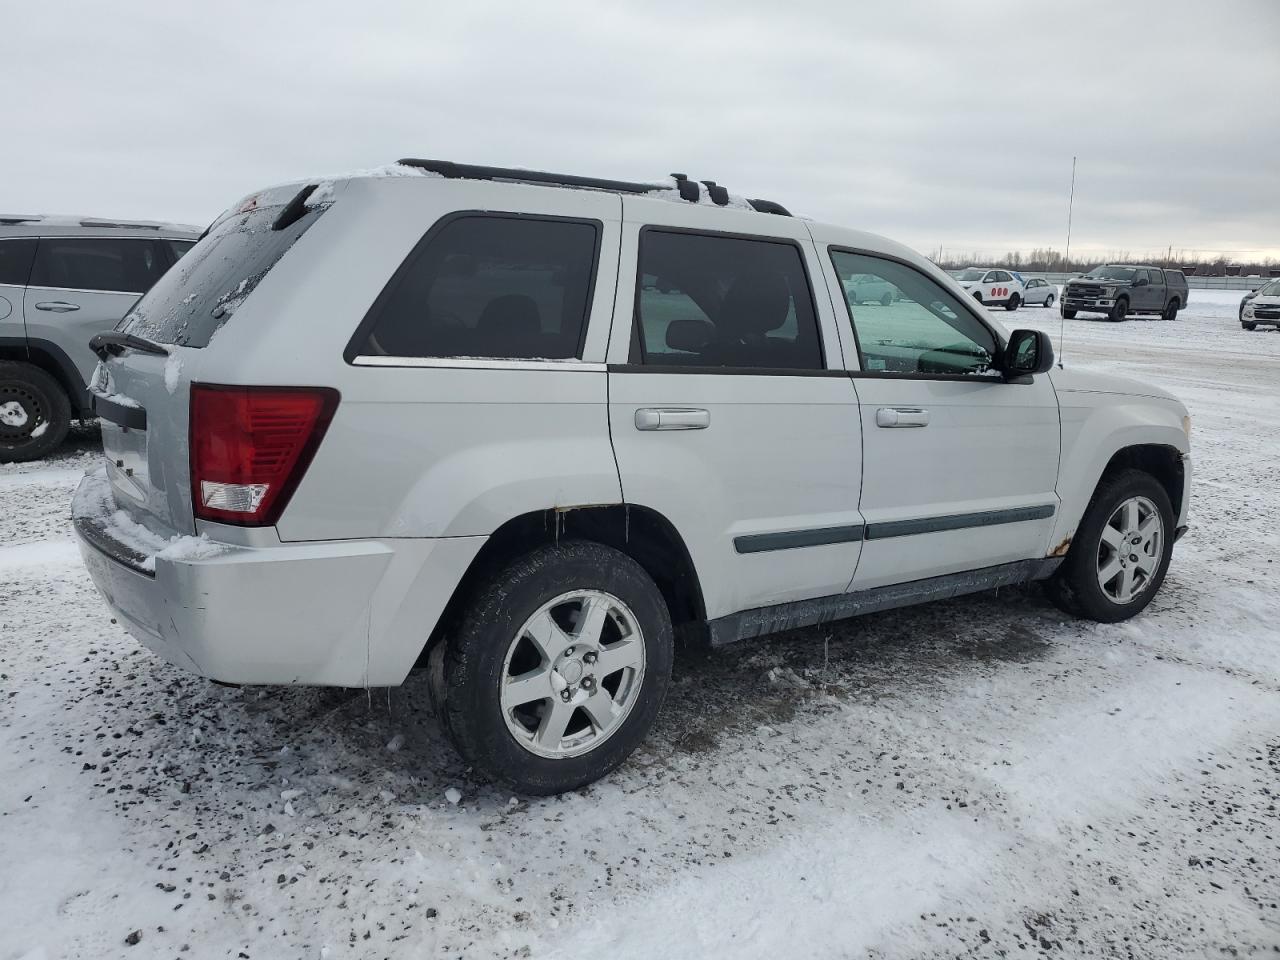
(1027, 352)
(1141, 282)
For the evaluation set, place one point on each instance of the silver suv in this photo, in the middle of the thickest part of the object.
(62, 280)
(523, 430)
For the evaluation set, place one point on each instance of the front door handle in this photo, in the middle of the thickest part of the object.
(902, 417)
(57, 306)
(672, 418)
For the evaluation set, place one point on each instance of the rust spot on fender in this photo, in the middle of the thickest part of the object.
(1061, 549)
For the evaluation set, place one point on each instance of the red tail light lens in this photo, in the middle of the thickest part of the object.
(250, 447)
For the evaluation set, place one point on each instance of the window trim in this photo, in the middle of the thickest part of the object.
(163, 254)
(635, 353)
(862, 371)
(353, 353)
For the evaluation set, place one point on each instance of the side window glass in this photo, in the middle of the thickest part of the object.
(716, 301)
(180, 247)
(923, 330)
(506, 287)
(109, 264)
(15, 261)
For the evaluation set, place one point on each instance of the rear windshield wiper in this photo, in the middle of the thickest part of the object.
(113, 344)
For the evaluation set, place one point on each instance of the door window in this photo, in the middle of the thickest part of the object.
(15, 261)
(109, 264)
(925, 331)
(710, 300)
(180, 247)
(502, 286)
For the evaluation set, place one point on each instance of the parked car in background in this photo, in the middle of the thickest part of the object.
(521, 435)
(63, 280)
(1039, 292)
(1122, 290)
(1261, 308)
(865, 288)
(994, 287)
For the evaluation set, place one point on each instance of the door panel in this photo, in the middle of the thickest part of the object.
(761, 474)
(959, 467)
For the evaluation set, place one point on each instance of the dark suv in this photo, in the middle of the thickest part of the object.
(1119, 290)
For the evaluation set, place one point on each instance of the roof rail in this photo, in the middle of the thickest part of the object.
(688, 189)
(135, 225)
(10, 219)
(469, 171)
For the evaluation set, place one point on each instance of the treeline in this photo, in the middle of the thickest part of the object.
(1048, 260)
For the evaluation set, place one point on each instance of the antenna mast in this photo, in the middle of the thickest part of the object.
(1062, 317)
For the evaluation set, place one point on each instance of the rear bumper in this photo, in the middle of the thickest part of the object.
(337, 613)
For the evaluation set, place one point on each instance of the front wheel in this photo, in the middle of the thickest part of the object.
(35, 413)
(1048, 301)
(557, 669)
(1119, 311)
(1068, 313)
(1013, 302)
(978, 296)
(1121, 551)
(1248, 325)
(886, 300)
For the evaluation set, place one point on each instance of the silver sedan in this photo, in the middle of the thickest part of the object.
(1040, 292)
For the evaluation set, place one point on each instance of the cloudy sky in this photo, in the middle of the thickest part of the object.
(936, 123)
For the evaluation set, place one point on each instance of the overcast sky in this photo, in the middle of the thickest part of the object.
(934, 123)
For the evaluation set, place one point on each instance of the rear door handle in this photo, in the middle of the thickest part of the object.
(672, 418)
(57, 306)
(902, 417)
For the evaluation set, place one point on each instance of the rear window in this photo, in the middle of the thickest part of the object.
(199, 294)
(489, 286)
(15, 261)
(109, 264)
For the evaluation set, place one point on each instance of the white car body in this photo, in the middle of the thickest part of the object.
(1039, 292)
(995, 286)
(1263, 309)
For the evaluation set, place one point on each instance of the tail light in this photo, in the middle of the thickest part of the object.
(250, 447)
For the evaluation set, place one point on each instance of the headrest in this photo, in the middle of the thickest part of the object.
(511, 315)
(755, 304)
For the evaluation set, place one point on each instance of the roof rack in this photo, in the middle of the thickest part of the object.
(134, 225)
(688, 189)
(11, 219)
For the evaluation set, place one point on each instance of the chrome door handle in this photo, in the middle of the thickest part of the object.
(57, 306)
(902, 417)
(672, 418)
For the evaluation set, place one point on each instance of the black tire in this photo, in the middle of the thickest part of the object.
(1119, 311)
(886, 300)
(977, 295)
(1074, 588)
(1048, 301)
(1248, 325)
(35, 413)
(466, 668)
(1171, 310)
(1069, 313)
(1013, 302)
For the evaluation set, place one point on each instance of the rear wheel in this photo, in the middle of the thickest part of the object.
(35, 413)
(1048, 301)
(1013, 302)
(1121, 551)
(558, 668)
(1171, 310)
(1119, 311)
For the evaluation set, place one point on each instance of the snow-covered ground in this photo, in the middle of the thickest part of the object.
(980, 777)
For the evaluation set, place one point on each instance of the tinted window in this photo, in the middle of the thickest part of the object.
(490, 286)
(1157, 277)
(924, 330)
(115, 264)
(180, 247)
(202, 290)
(717, 301)
(15, 260)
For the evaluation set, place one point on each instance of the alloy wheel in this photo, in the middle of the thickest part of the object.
(1130, 550)
(572, 673)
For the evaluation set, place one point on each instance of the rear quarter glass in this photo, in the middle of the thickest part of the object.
(202, 291)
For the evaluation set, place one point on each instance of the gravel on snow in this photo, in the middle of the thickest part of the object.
(979, 777)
